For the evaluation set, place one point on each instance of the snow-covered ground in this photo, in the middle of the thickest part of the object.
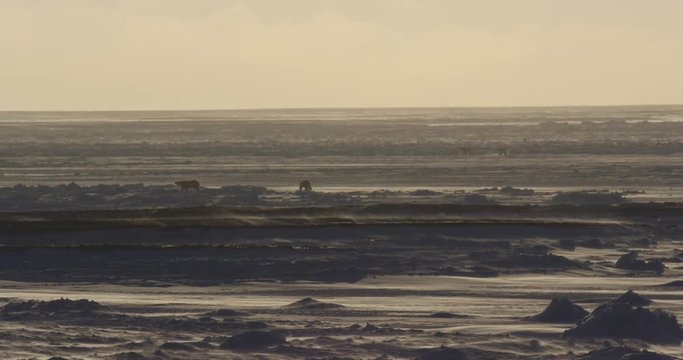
(426, 228)
(390, 316)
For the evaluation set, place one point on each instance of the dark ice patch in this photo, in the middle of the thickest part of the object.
(254, 340)
(560, 310)
(621, 320)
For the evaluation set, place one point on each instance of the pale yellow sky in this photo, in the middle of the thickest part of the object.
(221, 54)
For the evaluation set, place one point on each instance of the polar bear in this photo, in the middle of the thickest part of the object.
(305, 186)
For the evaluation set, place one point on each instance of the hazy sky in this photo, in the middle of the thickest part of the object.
(193, 54)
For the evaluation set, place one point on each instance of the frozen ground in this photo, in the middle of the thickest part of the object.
(388, 316)
(608, 148)
(178, 283)
(427, 228)
(139, 196)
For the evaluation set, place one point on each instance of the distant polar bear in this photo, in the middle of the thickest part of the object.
(305, 186)
(187, 185)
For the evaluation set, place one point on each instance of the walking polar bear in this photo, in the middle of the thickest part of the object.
(188, 185)
(305, 186)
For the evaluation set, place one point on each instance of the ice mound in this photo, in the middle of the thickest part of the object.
(442, 353)
(425, 192)
(630, 261)
(51, 307)
(254, 340)
(579, 198)
(634, 299)
(646, 355)
(621, 320)
(560, 310)
(446, 315)
(312, 304)
(175, 346)
(623, 353)
(132, 356)
(511, 191)
(673, 284)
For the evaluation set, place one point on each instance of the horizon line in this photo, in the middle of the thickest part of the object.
(344, 108)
